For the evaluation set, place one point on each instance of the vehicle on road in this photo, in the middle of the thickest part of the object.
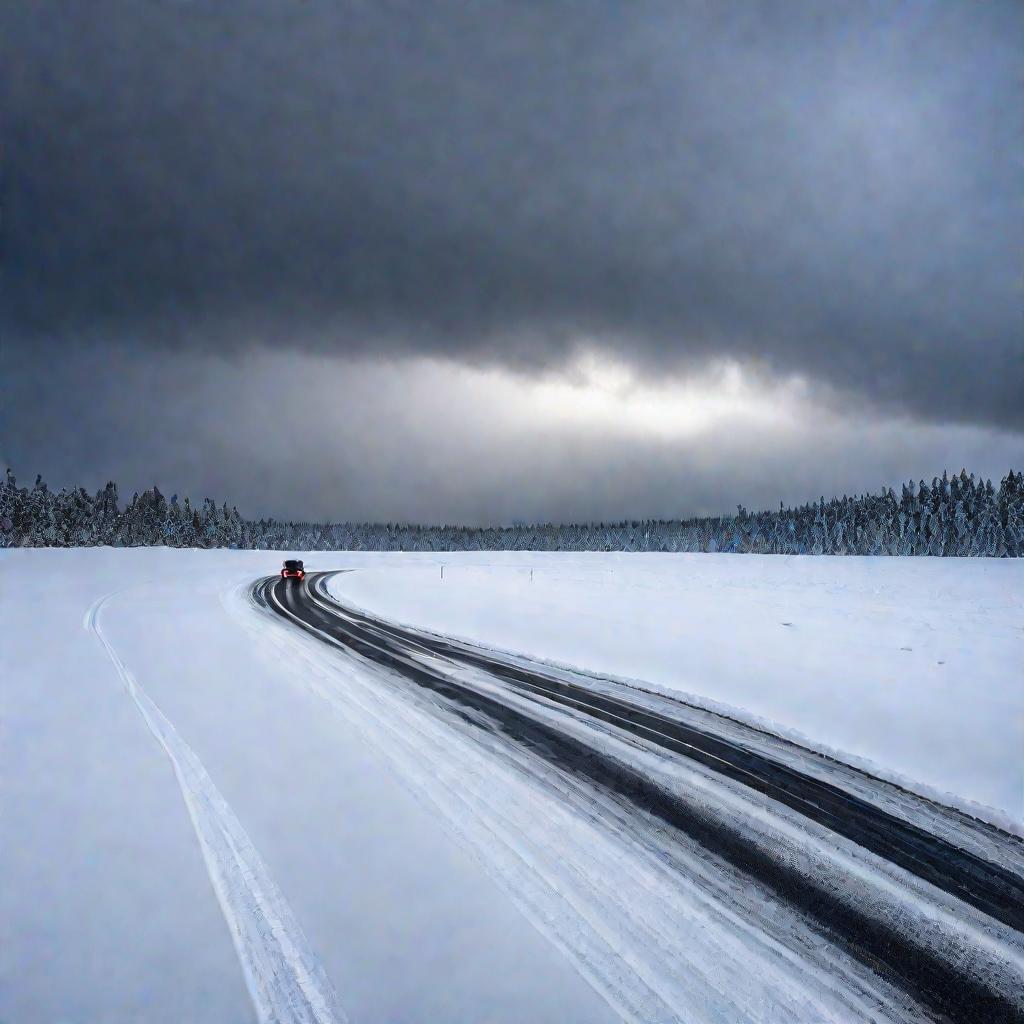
(293, 569)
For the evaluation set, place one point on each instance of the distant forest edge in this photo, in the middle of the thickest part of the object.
(955, 516)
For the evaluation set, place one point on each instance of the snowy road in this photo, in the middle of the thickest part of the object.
(855, 897)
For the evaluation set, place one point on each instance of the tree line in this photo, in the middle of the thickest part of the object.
(951, 516)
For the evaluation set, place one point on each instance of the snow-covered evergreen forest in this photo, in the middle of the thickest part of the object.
(950, 516)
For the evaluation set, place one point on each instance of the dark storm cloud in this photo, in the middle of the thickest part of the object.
(828, 189)
(302, 437)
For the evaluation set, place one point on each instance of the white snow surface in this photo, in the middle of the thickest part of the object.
(910, 667)
(164, 865)
(285, 980)
(207, 816)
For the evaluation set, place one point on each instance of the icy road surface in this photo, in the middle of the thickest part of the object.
(218, 816)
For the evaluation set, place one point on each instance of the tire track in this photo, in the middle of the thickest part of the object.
(285, 980)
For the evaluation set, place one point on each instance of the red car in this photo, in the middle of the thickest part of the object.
(293, 569)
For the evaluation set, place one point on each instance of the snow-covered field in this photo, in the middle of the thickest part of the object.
(188, 835)
(912, 667)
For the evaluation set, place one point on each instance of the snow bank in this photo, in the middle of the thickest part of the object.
(910, 667)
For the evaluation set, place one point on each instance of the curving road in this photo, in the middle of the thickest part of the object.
(972, 871)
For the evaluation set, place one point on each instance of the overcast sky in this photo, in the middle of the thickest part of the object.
(491, 261)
